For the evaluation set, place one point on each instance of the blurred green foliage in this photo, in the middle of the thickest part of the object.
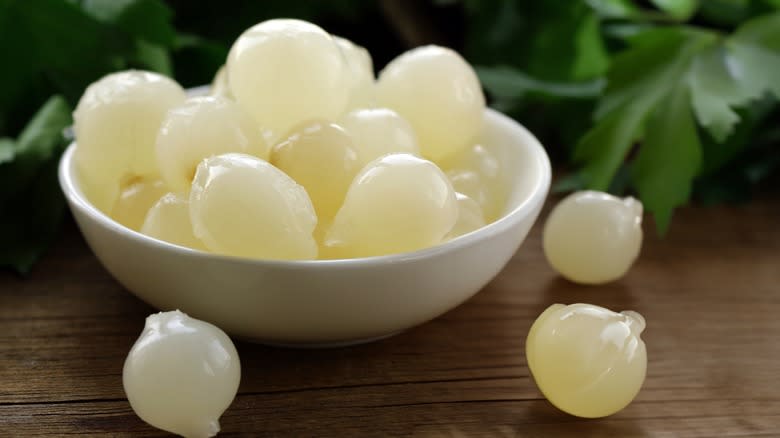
(665, 98)
(689, 102)
(53, 49)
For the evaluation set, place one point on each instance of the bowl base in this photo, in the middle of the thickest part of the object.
(318, 345)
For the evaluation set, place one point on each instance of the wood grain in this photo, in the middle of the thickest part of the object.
(709, 291)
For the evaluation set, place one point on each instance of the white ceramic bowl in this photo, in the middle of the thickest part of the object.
(324, 302)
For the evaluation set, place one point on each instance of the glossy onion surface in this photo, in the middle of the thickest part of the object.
(380, 131)
(397, 203)
(437, 91)
(320, 156)
(593, 237)
(286, 71)
(243, 206)
(587, 360)
(200, 128)
(116, 123)
(169, 220)
(181, 374)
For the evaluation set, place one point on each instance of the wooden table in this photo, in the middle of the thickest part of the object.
(710, 292)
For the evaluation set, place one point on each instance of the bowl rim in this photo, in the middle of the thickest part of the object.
(77, 199)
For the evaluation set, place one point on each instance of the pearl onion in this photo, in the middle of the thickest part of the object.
(203, 127)
(361, 85)
(243, 206)
(116, 122)
(220, 86)
(437, 91)
(321, 157)
(285, 71)
(103, 193)
(380, 131)
(181, 374)
(397, 203)
(169, 220)
(135, 201)
(476, 171)
(593, 237)
(470, 217)
(587, 360)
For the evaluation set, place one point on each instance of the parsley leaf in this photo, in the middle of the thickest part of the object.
(614, 8)
(149, 20)
(678, 9)
(30, 197)
(638, 80)
(654, 90)
(567, 44)
(715, 89)
(7, 150)
(740, 70)
(508, 83)
(669, 158)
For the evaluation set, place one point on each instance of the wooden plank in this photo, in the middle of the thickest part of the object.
(708, 290)
(339, 412)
